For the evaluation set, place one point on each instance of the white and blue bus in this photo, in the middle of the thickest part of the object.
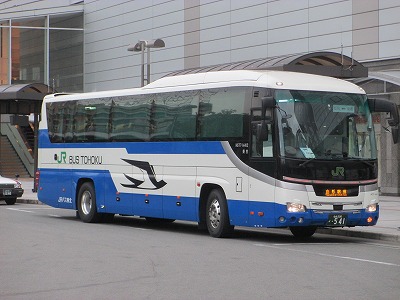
(224, 149)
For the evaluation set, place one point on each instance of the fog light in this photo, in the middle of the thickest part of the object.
(369, 220)
(295, 207)
(282, 219)
(301, 220)
(371, 208)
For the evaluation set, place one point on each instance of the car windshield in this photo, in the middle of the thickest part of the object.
(324, 125)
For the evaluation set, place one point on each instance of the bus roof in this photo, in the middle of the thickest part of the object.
(260, 78)
(264, 78)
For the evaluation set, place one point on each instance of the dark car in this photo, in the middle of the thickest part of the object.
(10, 189)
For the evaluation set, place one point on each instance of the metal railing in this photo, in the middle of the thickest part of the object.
(19, 145)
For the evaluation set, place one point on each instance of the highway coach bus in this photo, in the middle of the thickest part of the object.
(223, 149)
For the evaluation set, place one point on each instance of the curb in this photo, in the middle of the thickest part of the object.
(360, 234)
(29, 201)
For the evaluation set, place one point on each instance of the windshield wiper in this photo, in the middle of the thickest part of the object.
(361, 161)
(303, 164)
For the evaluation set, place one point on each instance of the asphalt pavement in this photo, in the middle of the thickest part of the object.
(387, 228)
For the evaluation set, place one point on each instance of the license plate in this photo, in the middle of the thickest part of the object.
(337, 220)
(7, 192)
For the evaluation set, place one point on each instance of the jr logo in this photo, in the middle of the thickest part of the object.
(62, 159)
(338, 171)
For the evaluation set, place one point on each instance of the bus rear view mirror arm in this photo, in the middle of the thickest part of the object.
(262, 131)
(384, 105)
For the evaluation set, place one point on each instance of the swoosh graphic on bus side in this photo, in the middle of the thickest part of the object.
(145, 166)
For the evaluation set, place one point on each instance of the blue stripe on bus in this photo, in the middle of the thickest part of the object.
(62, 193)
(173, 147)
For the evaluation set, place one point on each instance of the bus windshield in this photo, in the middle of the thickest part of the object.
(324, 125)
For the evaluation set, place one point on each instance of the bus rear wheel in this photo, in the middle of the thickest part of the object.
(303, 232)
(87, 209)
(217, 217)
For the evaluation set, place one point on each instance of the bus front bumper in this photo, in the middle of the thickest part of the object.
(324, 218)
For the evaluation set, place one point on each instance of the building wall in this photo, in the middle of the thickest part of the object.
(28, 8)
(208, 32)
(111, 26)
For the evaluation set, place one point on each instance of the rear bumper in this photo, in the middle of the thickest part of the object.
(6, 193)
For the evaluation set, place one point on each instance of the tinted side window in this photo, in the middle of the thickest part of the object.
(174, 116)
(54, 117)
(130, 118)
(91, 120)
(221, 113)
(60, 121)
(212, 114)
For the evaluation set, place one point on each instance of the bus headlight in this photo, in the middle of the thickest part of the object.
(295, 207)
(371, 208)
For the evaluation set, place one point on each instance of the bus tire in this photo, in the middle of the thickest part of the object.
(217, 217)
(303, 232)
(87, 204)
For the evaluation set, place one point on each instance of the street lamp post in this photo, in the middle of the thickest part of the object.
(140, 46)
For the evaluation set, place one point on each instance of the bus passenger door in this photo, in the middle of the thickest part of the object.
(262, 172)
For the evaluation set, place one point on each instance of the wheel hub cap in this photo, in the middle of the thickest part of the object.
(214, 213)
(86, 202)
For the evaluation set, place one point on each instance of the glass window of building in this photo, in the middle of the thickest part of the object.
(47, 49)
(28, 50)
(4, 52)
(66, 53)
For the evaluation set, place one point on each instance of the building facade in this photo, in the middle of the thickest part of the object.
(78, 46)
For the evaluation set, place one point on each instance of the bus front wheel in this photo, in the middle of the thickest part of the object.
(217, 217)
(303, 232)
(87, 209)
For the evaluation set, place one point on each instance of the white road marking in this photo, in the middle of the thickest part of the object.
(329, 255)
(22, 210)
(55, 216)
(33, 208)
(383, 245)
(308, 244)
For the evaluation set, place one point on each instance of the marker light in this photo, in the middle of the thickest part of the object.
(370, 219)
(295, 207)
(371, 208)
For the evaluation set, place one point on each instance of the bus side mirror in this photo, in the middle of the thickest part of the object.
(383, 105)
